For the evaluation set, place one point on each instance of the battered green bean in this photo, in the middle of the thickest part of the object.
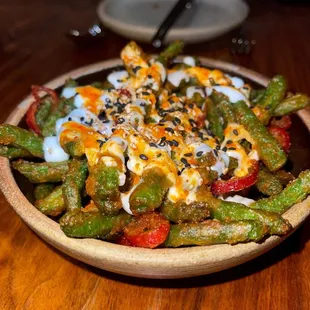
(53, 204)
(214, 232)
(224, 107)
(102, 186)
(21, 138)
(42, 172)
(12, 152)
(64, 108)
(181, 212)
(291, 105)
(269, 150)
(268, 183)
(256, 95)
(274, 94)
(215, 122)
(43, 190)
(74, 182)
(231, 211)
(44, 110)
(295, 192)
(92, 224)
(149, 195)
(173, 50)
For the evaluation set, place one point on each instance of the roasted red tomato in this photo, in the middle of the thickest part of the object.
(235, 184)
(148, 230)
(123, 241)
(282, 136)
(283, 122)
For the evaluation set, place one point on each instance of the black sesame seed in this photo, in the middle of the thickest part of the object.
(113, 129)
(145, 93)
(216, 153)
(176, 143)
(90, 123)
(224, 148)
(121, 120)
(188, 154)
(177, 120)
(170, 100)
(200, 134)
(209, 132)
(82, 119)
(69, 119)
(184, 110)
(152, 144)
(143, 157)
(101, 142)
(191, 105)
(218, 147)
(192, 122)
(149, 76)
(136, 69)
(199, 154)
(142, 104)
(174, 123)
(108, 100)
(105, 121)
(229, 142)
(109, 106)
(232, 148)
(119, 81)
(195, 129)
(170, 143)
(235, 132)
(161, 124)
(113, 112)
(169, 129)
(185, 162)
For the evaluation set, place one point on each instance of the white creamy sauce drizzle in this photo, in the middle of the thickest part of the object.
(190, 91)
(238, 199)
(53, 152)
(125, 198)
(68, 92)
(236, 81)
(118, 79)
(233, 94)
(176, 77)
(190, 61)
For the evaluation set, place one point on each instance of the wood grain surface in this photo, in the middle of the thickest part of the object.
(34, 275)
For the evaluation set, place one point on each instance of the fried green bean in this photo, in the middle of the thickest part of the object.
(274, 94)
(21, 138)
(214, 232)
(295, 192)
(12, 152)
(226, 211)
(291, 105)
(149, 195)
(269, 150)
(256, 95)
(268, 183)
(215, 121)
(43, 190)
(42, 172)
(53, 204)
(73, 184)
(64, 108)
(173, 50)
(92, 224)
(44, 110)
(181, 212)
(224, 107)
(102, 186)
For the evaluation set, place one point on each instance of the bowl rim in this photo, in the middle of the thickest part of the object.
(149, 263)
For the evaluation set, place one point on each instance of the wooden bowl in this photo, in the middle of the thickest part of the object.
(138, 262)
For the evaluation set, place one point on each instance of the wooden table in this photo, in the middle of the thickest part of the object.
(34, 275)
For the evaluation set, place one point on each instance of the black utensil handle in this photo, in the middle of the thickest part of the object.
(171, 18)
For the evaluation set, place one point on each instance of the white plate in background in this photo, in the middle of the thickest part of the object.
(139, 19)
